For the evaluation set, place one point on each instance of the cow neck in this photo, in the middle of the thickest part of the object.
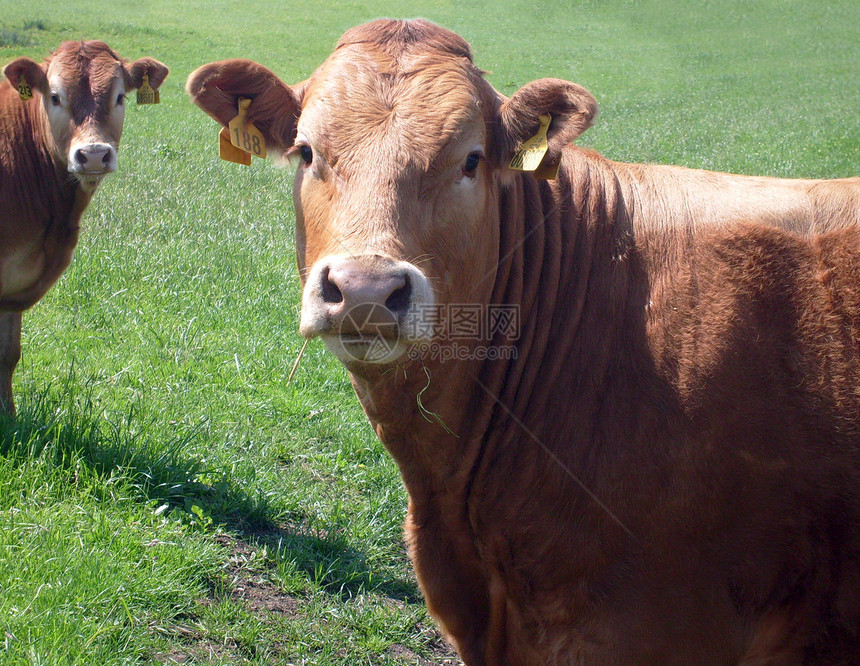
(570, 264)
(563, 245)
(417, 410)
(568, 244)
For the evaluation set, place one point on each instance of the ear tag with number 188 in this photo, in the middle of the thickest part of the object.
(243, 134)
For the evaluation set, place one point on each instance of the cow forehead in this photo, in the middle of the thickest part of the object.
(423, 102)
(85, 66)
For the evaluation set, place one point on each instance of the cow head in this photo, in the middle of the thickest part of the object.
(83, 88)
(402, 150)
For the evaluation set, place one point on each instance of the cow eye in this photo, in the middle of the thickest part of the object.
(120, 99)
(55, 99)
(470, 167)
(306, 154)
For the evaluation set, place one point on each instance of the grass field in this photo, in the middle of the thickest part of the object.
(165, 496)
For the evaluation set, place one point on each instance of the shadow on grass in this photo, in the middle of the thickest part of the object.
(63, 433)
(329, 562)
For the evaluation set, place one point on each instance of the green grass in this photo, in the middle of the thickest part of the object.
(165, 496)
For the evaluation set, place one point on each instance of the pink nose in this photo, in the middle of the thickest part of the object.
(95, 158)
(365, 295)
(348, 284)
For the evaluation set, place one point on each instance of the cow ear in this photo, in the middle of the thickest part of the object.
(275, 107)
(30, 70)
(150, 67)
(571, 107)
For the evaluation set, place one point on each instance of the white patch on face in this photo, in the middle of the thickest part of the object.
(117, 111)
(59, 114)
(345, 326)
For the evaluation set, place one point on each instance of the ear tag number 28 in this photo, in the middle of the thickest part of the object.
(243, 135)
(531, 153)
(24, 90)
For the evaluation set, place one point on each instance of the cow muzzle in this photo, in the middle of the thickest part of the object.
(90, 162)
(367, 309)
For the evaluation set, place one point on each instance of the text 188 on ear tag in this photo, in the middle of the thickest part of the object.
(227, 151)
(529, 155)
(146, 94)
(24, 90)
(243, 134)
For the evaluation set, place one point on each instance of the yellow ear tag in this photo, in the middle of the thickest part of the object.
(529, 155)
(243, 134)
(227, 151)
(24, 90)
(146, 94)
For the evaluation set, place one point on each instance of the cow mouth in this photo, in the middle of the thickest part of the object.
(89, 181)
(365, 347)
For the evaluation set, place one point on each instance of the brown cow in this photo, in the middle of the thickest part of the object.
(54, 151)
(664, 466)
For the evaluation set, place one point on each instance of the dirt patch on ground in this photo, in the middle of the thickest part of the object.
(248, 583)
(405, 654)
(253, 589)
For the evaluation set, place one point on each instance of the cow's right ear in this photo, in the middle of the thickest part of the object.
(571, 108)
(30, 70)
(149, 67)
(275, 107)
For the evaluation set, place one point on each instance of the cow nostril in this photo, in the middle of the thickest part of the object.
(398, 300)
(330, 292)
(80, 156)
(106, 158)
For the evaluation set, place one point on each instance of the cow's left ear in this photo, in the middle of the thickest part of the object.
(275, 107)
(571, 107)
(150, 67)
(30, 70)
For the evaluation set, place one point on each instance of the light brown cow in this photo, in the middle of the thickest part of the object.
(55, 148)
(659, 463)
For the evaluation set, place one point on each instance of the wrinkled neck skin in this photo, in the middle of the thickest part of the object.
(436, 417)
(580, 256)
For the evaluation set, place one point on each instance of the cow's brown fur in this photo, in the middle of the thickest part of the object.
(669, 470)
(41, 203)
